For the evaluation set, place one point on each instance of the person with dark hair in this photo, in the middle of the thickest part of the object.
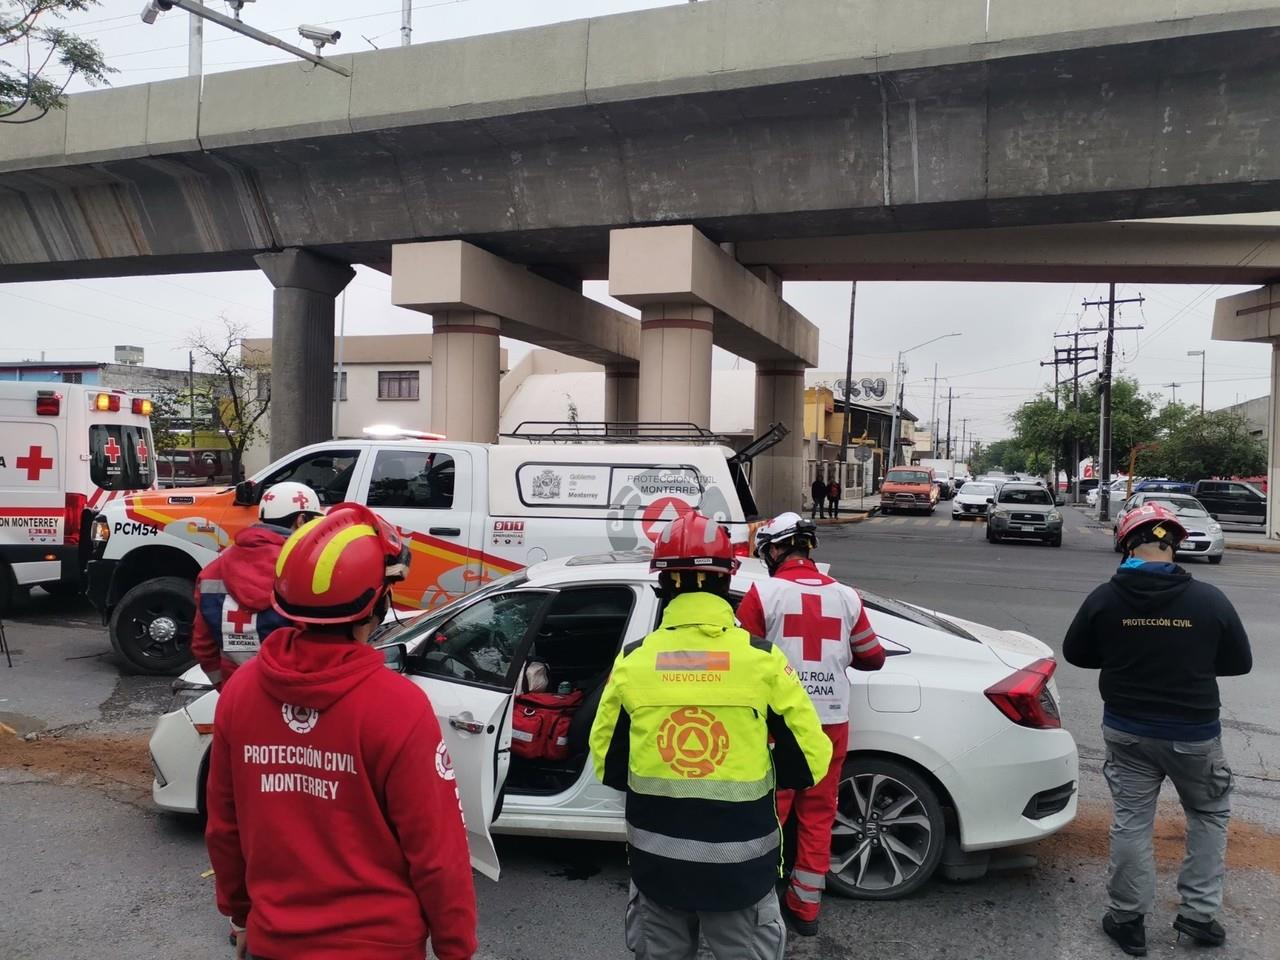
(1161, 640)
(233, 593)
(822, 627)
(833, 498)
(334, 820)
(683, 728)
(818, 493)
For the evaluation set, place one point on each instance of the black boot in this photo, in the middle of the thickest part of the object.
(805, 928)
(1207, 932)
(1130, 936)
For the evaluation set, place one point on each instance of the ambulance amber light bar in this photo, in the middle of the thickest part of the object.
(48, 403)
(142, 406)
(107, 402)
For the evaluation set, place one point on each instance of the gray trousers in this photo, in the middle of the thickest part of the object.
(1135, 768)
(656, 932)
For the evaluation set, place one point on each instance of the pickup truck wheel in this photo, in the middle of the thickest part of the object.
(151, 626)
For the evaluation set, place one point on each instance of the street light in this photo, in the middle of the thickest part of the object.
(1200, 354)
(897, 406)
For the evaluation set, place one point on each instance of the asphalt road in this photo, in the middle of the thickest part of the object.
(89, 870)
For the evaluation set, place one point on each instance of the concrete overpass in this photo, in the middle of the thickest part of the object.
(751, 120)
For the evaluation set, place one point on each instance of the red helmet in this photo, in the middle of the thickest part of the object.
(1163, 523)
(335, 568)
(694, 542)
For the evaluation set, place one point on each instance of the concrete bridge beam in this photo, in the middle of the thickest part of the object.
(622, 392)
(302, 345)
(675, 363)
(465, 363)
(1254, 317)
(778, 477)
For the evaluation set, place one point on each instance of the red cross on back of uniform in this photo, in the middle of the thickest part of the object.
(810, 627)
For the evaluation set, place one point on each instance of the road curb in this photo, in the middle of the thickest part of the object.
(841, 521)
(1272, 547)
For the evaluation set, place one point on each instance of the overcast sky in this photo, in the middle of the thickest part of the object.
(1007, 328)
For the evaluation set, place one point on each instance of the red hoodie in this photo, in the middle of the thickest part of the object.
(233, 602)
(335, 828)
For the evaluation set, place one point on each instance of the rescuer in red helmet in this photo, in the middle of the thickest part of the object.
(1161, 640)
(334, 821)
(822, 627)
(683, 727)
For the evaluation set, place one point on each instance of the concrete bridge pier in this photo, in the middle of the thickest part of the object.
(302, 345)
(622, 392)
(675, 363)
(778, 477)
(1254, 316)
(466, 358)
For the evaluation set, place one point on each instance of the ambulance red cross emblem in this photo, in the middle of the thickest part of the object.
(112, 450)
(35, 462)
(143, 452)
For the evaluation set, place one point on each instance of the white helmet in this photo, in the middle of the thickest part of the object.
(786, 527)
(285, 499)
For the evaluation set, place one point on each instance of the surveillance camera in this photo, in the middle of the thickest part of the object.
(154, 8)
(319, 35)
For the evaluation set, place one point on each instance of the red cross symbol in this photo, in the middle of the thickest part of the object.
(142, 450)
(301, 500)
(34, 463)
(112, 449)
(239, 618)
(811, 626)
(269, 496)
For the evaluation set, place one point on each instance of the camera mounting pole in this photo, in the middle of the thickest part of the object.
(199, 10)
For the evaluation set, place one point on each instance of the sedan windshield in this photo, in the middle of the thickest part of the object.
(1183, 506)
(1026, 496)
(972, 489)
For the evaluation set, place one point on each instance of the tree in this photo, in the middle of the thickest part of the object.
(1217, 444)
(239, 407)
(30, 46)
(168, 408)
(1008, 455)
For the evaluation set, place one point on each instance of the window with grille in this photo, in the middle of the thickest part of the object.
(397, 384)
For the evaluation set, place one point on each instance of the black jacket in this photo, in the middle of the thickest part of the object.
(1161, 641)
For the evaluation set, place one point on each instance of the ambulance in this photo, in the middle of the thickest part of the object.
(66, 451)
(472, 513)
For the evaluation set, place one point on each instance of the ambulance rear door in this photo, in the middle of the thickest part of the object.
(32, 506)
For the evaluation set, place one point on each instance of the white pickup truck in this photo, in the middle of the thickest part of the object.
(472, 513)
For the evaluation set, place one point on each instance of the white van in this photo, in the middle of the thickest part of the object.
(472, 513)
(65, 451)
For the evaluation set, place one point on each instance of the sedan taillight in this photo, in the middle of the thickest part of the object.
(1024, 696)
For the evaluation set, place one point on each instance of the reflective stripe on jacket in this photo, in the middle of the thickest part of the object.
(683, 727)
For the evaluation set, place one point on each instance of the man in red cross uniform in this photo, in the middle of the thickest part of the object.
(823, 629)
(233, 593)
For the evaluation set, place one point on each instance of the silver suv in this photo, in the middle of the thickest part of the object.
(1026, 511)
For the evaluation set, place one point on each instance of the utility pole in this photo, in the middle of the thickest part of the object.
(1200, 354)
(933, 415)
(195, 44)
(1072, 355)
(949, 395)
(191, 396)
(964, 433)
(848, 376)
(1104, 445)
(1173, 387)
(406, 22)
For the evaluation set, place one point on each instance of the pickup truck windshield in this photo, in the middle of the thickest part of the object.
(1026, 497)
(907, 476)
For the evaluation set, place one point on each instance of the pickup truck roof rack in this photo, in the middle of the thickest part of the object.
(614, 431)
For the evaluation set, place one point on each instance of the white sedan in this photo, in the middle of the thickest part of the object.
(959, 734)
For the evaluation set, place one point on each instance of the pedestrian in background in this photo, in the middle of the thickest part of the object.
(683, 727)
(818, 493)
(1161, 640)
(833, 498)
(334, 821)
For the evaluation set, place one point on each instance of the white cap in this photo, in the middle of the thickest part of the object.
(286, 499)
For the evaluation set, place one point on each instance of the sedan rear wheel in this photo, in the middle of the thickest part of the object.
(889, 831)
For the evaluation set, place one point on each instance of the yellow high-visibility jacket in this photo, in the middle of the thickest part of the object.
(683, 727)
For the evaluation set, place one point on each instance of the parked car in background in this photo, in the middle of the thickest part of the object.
(960, 743)
(1204, 533)
(1119, 486)
(1163, 485)
(1024, 511)
(1232, 501)
(908, 488)
(971, 502)
(194, 468)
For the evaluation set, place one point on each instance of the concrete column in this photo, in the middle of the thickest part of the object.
(675, 363)
(465, 361)
(622, 392)
(778, 476)
(302, 345)
(1273, 458)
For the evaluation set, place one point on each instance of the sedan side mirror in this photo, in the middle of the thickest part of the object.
(1213, 516)
(395, 656)
(991, 499)
(248, 493)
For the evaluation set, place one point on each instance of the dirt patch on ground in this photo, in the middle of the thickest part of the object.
(119, 765)
(1249, 846)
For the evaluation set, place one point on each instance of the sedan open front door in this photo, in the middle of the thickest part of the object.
(468, 666)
